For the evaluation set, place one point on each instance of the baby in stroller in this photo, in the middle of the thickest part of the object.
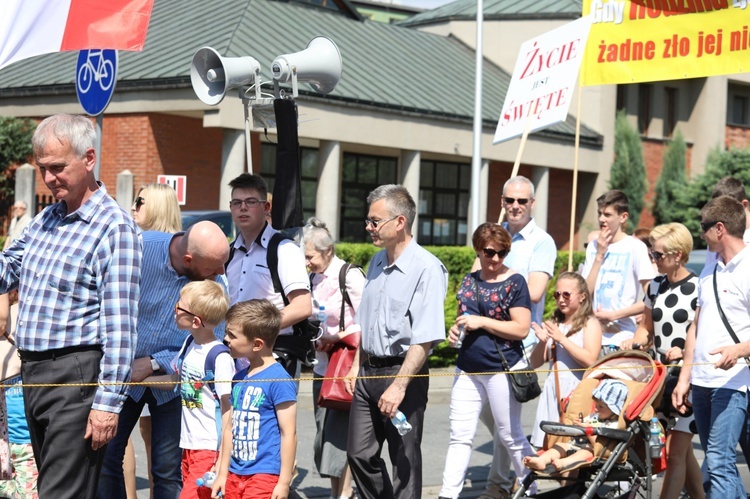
(609, 397)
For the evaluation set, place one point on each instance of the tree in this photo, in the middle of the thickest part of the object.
(672, 180)
(15, 148)
(720, 164)
(628, 172)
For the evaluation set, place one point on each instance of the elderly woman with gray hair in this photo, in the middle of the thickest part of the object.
(325, 267)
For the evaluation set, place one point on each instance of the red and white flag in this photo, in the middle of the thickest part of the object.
(34, 27)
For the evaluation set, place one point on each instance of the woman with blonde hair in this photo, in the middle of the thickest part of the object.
(671, 300)
(156, 208)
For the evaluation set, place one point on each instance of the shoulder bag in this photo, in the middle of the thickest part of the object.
(525, 384)
(333, 395)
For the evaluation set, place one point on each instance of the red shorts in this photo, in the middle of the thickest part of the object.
(250, 486)
(194, 464)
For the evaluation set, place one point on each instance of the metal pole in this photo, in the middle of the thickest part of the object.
(98, 145)
(248, 150)
(476, 159)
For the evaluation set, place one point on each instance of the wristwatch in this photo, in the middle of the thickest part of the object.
(155, 365)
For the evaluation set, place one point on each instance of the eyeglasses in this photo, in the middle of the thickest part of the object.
(565, 294)
(705, 226)
(490, 253)
(521, 201)
(377, 223)
(139, 201)
(249, 202)
(658, 255)
(178, 309)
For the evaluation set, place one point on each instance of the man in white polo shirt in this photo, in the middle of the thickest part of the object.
(715, 368)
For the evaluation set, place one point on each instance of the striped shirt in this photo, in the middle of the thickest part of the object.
(158, 336)
(78, 283)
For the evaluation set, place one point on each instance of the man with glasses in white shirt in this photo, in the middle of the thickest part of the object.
(247, 268)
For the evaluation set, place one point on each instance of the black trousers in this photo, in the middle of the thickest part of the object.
(368, 429)
(57, 418)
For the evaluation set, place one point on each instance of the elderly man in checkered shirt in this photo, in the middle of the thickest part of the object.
(77, 270)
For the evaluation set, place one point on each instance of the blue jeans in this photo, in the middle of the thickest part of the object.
(166, 455)
(720, 415)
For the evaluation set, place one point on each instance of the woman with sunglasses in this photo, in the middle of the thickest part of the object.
(570, 341)
(671, 300)
(329, 448)
(494, 313)
(156, 208)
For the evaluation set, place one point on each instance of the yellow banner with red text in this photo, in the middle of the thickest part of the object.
(650, 40)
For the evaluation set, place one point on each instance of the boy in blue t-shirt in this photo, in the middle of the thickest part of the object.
(257, 455)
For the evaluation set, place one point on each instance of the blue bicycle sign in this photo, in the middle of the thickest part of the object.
(96, 74)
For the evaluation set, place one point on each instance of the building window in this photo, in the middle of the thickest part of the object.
(443, 202)
(740, 110)
(644, 108)
(622, 98)
(361, 174)
(309, 174)
(670, 114)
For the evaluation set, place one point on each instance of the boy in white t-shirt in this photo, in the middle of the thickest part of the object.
(617, 267)
(202, 359)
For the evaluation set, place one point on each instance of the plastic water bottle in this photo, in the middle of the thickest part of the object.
(322, 316)
(401, 424)
(461, 334)
(654, 439)
(207, 480)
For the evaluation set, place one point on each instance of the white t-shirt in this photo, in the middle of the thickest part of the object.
(626, 263)
(198, 430)
(733, 281)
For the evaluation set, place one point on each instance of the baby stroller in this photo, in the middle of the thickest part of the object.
(620, 455)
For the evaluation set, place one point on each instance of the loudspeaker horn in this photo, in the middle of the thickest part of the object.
(213, 75)
(319, 65)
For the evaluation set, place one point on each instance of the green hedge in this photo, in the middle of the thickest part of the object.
(458, 260)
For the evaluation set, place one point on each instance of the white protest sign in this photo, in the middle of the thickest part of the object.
(543, 80)
(176, 182)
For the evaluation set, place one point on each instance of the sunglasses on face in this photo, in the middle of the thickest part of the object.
(139, 201)
(658, 255)
(490, 253)
(705, 226)
(377, 223)
(521, 201)
(565, 294)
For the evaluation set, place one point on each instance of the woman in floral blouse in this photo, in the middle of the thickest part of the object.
(494, 310)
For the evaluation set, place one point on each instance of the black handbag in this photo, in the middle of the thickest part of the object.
(525, 384)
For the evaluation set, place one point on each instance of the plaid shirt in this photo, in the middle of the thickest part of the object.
(78, 280)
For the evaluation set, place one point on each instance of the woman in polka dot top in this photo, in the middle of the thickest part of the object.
(671, 300)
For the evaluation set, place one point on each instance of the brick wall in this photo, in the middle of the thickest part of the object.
(653, 156)
(737, 136)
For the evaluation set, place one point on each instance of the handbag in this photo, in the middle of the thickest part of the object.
(525, 384)
(333, 394)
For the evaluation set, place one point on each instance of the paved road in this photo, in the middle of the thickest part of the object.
(435, 443)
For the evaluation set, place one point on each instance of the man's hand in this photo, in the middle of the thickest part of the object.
(101, 428)
(729, 355)
(603, 241)
(680, 396)
(351, 380)
(141, 369)
(391, 399)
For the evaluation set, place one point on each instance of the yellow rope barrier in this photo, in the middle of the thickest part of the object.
(394, 376)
